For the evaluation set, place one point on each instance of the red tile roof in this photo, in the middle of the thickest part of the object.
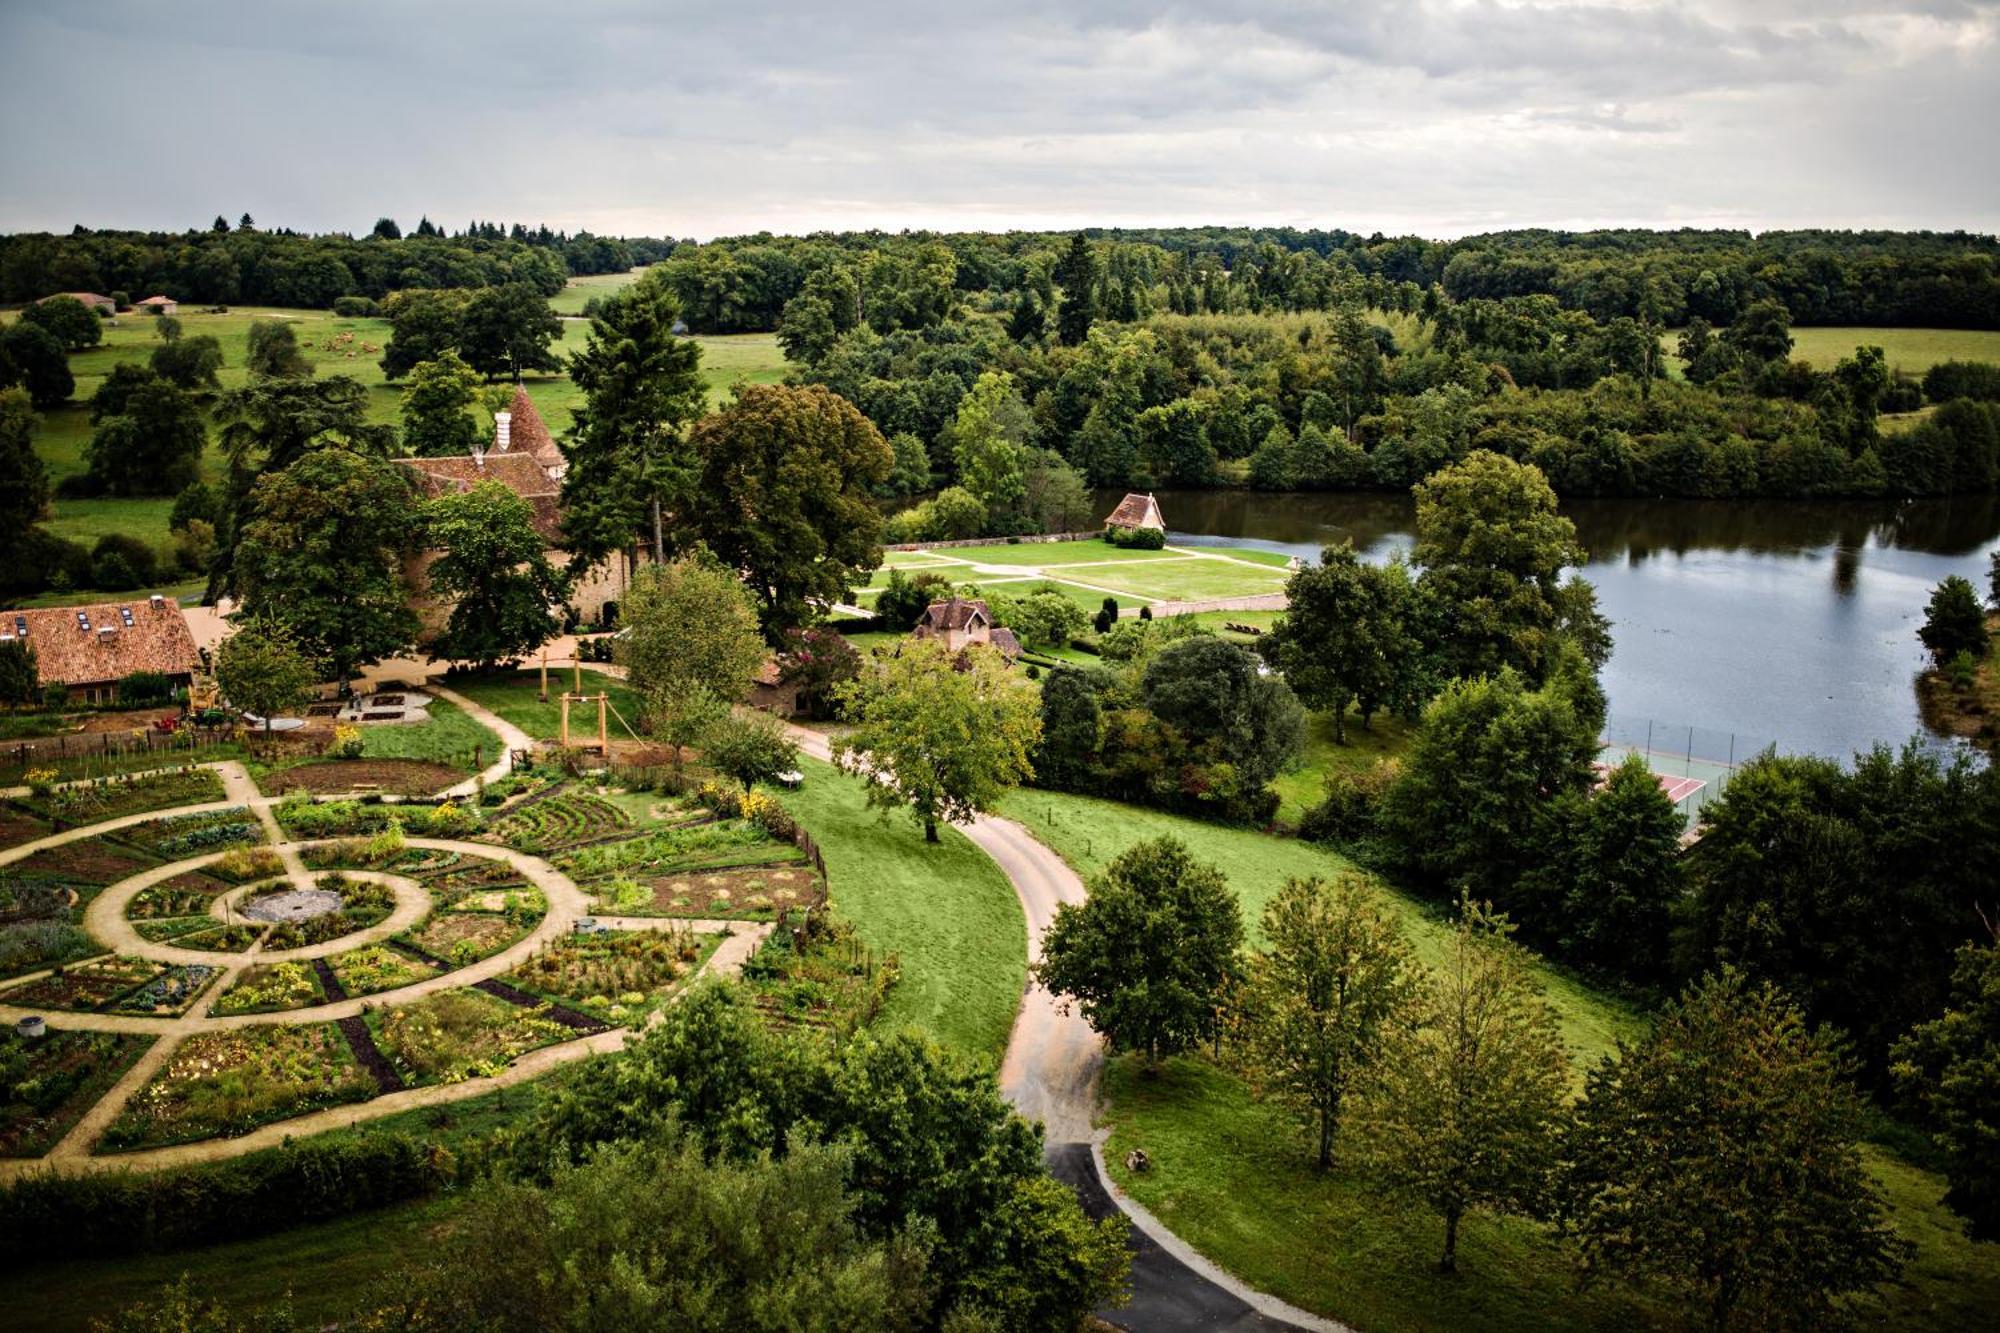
(529, 435)
(157, 300)
(1136, 511)
(517, 472)
(955, 613)
(144, 635)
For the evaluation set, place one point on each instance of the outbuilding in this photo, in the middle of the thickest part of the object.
(1136, 511)
(88, 650)
(159, 305)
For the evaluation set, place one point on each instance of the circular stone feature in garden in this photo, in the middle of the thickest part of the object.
(292, 905)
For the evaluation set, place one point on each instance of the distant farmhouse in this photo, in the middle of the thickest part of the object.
(158, 305)
(102, 304)
(89, 649)
(524, 458)
(1136, 511)
(962, 623)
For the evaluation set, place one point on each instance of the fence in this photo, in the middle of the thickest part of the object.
(1683, 751)
(109, 751)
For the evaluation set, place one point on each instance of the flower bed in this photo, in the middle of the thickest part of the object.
(85, 987)
(189, 894)
(462, 938)
(357, 853)
(113, 798)
(224, 1084)
(244, 865)
(459, 1034)
(220, 939)
(760, 893)
(305, 818)
(171, 993)
(176, 836)
(271, 987)
(663, 849)
(376, 968)
(561, 820)
(362, 904)
(618, 976)
(46, 1085)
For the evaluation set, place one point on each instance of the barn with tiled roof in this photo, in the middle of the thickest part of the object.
(89, 649)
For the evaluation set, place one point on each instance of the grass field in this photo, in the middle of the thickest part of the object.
(517, 698)
(1091, 570)
(1302, 787)
(1912, 351)
(569, 301)
(1233, 1177)
(449, 737)
(63, 433)
(945, 910)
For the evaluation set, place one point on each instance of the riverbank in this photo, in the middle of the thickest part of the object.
(1967, 707)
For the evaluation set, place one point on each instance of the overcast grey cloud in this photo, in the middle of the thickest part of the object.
(1440, 117)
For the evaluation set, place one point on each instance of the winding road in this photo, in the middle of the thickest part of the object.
(1050, 1074)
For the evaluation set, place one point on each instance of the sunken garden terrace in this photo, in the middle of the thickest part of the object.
(194, 966)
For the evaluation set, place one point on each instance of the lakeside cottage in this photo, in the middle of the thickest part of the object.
(1134, 512)
(88, 650)
(961, 622)
(525, 459)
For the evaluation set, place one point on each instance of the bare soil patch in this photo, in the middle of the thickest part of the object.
(405, 777)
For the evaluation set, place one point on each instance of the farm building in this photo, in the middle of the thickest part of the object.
(1136, 511)
(158, 305)
(960, 623)
(96, 302)
(524, 458)
(89, 649)
(770, 692)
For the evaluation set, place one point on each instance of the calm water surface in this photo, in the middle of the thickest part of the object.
(1792, 623)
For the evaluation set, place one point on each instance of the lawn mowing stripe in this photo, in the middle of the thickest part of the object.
(367, 1054)
(569, 1018)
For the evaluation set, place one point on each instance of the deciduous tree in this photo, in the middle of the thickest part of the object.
(492, 567)
(152, 445)
(24, 478)
(509, 330)
(274, 351)
(941, 735)
(68, 320)
(1949, 1071)
(437, 409)
(1150, 954)
(690, 620)
(262, 670)
(1349, 634)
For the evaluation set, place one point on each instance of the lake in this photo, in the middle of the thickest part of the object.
(1752, 621)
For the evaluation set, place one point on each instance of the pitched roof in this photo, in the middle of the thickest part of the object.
(1136, 511)
(517, 472)
(88, 298)
(955, 613)
(157, 300)
(72, 646)
(529, 434)
(1007, 645)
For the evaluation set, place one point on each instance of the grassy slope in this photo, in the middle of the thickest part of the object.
(1912, 351)
(1301, 788)
(518, 700)
(450, 737)
(1234, 1178)
(946, 910)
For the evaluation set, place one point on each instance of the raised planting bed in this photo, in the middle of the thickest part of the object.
(269, 988)
(92, 861)
(462, 938)
(401, 777)
(49, 1082)
(226, 1083)
(245, 865)
(616, 976)
(188, 894)
(113, 798)
(823, 977)
(377, 968)
(564, 818)
(19, 825)
(85, 986)
(173, 837)
(221, 939)
(171, 993)
(756, 893)
(663, 850)
(459, 1034)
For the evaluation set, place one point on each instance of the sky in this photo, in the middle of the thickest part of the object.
(1435, 117)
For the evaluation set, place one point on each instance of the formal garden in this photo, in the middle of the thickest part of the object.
(177, 967)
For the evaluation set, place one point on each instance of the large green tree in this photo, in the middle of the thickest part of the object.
(152, 445)
(262, 670)
(438, 420)
(192, 363)
(631, 467)
(492, 567)
(31, 357)
(1151, 954)
(989, 439)
(1614, 874)
(690, 621)
(941, 735)
(508, 330)
(69, 321)
(1948, 1069)
(1493, 546)
(322, 555)
(1348, 636)
(785, 496)
(24, 478)
(274, 351)
(1210, 692)
(1954, 622)
(1322, 997)
(1720, 1153)
(1466, 1107)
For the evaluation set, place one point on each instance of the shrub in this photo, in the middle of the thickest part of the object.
(144, 688)
(121, 561)
(355, 307)
(1346, 812)
(1136, 539)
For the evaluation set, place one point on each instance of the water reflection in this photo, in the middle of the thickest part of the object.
(1765, 618)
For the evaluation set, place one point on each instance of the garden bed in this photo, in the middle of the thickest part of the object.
(220, 939)
(269, 988)
(227, 1083)
(304, 817)
(166, 930)
(663, 850)
(174, 837)
(47, 1084)
(459, 939)
(402, 777)
(93, 861)
(48, 941)
(362, 904)
(759, 893)
(823, 977)
(564, 818)
(618, 977)
(86, 987)
(246, 865)
(171, 993)
(459, 1034)
(470, 874)
(376, 968)
(113, 798)
(188, 894)
(18, 825)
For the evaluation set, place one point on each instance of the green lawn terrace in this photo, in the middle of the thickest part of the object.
(1089, 571)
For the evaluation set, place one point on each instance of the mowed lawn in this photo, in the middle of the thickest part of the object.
(335, 346)
(1912, 351)
(1233, 1175)
(1091, 570)
(517, 699)
(944, 910)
